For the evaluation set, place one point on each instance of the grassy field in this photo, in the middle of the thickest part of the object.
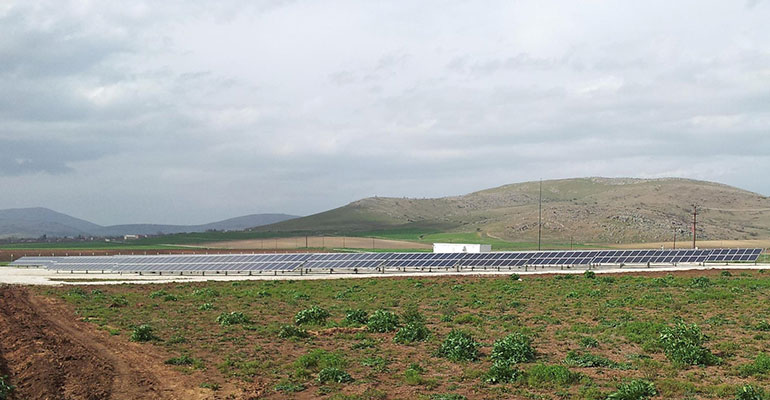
(88, 246)
(248, 240)
(589, 335)
(459, 237)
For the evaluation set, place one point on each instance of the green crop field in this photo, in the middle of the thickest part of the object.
(695, 335)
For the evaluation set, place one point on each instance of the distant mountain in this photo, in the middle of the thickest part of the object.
(35, 222)
(601, 210)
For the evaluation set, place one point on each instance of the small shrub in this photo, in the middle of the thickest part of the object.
(760, 366)
(513, 349)
(142, 333)
(6, 389)
(501, 373)
(158, 293)
(181, 360)
(683, 344)
(211, 386)
(413, 374)
(205, 293)
(178, 338)
(589, 342)
(700, 282)
(763, 326)
(312, 315)
(748, 392)
(118, 301)
(357, 316)
(291, 331)
(170, 297)
(332, 374)
(637, 389)
(542, 375)
(206, 307)
(232, 318)
(301, 296)
(412, 332)
(412, 314)
(378, 363)
(448, 396)
(382, 321)
(515, 277)
(459, 346)
(725, 274)
(589, 274)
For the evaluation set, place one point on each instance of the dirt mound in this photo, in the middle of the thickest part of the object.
(51, 355)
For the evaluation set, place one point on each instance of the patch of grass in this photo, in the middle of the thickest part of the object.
(588, 360)
(333, 374)
(448, 396)
(589, 342)
(637, 389)
(289, 387)
(211, 386)
(748, 392)
(550, 376)
(378, 364)
(413, 374)
(459, 346)
(760, 366)
(320, 359)
(312, 315)
(762, 326)
(181, 360)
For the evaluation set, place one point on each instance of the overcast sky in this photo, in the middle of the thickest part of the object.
(193, 111)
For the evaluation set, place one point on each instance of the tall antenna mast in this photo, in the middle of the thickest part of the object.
(540, 215)
(694, 222)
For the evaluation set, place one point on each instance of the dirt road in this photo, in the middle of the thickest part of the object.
(49, 354)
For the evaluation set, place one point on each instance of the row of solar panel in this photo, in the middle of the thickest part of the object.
(713, 255)
(271, 262)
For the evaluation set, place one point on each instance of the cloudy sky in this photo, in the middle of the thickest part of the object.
(191, 111)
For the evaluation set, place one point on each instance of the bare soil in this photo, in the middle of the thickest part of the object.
(48, 354)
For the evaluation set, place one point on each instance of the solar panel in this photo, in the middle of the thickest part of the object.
(294, 261)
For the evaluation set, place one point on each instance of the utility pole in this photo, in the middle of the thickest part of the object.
(694, 222)
(540, 216)
(674, 238)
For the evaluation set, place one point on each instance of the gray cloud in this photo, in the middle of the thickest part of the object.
(188, 111)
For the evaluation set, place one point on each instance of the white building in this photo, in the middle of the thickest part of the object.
(461, 248)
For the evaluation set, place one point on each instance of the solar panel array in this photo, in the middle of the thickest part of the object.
(380, 261)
